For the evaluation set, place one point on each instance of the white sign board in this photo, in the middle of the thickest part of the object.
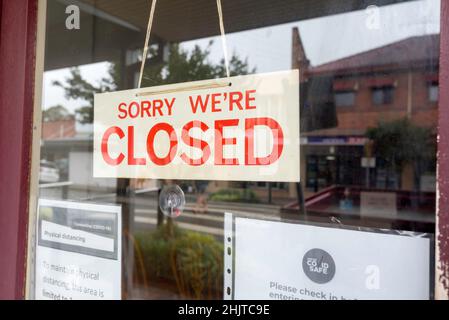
(275, 260)
(238, 128)
(368, 162)
(78, 251)
(378, 204)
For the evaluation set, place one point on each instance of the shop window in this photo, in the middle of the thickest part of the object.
(182, 257)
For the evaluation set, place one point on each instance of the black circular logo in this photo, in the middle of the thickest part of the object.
(318, 266)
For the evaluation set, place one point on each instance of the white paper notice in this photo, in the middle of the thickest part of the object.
(275, 260)
(374, 204)
(238, 128)
(78, 251)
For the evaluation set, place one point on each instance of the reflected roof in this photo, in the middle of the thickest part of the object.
(408, 52)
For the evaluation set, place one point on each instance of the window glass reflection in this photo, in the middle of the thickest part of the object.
(368, 95)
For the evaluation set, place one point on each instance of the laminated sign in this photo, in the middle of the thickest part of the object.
(238, 128)
(78, 251)
(289, 261)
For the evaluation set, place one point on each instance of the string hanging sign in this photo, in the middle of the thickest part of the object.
(240, 128)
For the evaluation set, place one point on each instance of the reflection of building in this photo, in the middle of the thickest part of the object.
(69, 145)
(387, 83)
(58, 129)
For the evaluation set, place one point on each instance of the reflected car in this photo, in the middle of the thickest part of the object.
(48, 172)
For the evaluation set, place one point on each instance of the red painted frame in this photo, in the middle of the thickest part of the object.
(18, 26)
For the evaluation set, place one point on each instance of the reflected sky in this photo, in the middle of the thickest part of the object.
(269, 49)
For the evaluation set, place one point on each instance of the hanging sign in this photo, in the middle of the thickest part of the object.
(78, 252)
(237, 128)
(378, 204)
(285, 261)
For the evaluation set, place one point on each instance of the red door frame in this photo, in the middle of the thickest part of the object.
(442, 241)
(18, 28)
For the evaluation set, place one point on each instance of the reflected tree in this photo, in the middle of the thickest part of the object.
(56, 113)
(77, 88)
(401, 142)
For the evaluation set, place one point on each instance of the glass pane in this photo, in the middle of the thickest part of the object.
(344, 99)
(383, 95)
(363, 167)
(433, 93)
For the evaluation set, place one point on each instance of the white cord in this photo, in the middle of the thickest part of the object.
(223, 37)
(147, 40)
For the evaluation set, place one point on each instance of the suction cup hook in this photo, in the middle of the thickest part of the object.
(172, 201)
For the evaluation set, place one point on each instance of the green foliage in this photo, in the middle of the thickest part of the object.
(56, 113)
(199, 264)
(192, 260)
(401, 142)
(155, 247)
(182, 66)
(235, 195)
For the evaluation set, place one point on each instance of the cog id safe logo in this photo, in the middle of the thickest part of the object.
(318, 266)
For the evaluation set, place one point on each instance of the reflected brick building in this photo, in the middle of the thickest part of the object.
(343, 98)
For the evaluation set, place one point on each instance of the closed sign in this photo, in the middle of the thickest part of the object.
(238, 128)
